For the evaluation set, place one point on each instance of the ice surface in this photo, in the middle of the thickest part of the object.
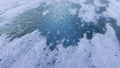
(24, 39)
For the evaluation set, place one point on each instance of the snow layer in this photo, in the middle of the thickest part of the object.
(31, 51)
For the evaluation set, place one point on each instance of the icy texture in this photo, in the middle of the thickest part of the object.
(59, 34)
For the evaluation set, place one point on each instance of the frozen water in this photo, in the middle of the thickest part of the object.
(59, 34)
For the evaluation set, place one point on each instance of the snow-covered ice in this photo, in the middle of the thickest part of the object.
(60, 34)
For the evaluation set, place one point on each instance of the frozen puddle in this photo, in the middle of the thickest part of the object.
(59, 34)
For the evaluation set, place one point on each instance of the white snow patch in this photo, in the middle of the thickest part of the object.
(45, 12)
